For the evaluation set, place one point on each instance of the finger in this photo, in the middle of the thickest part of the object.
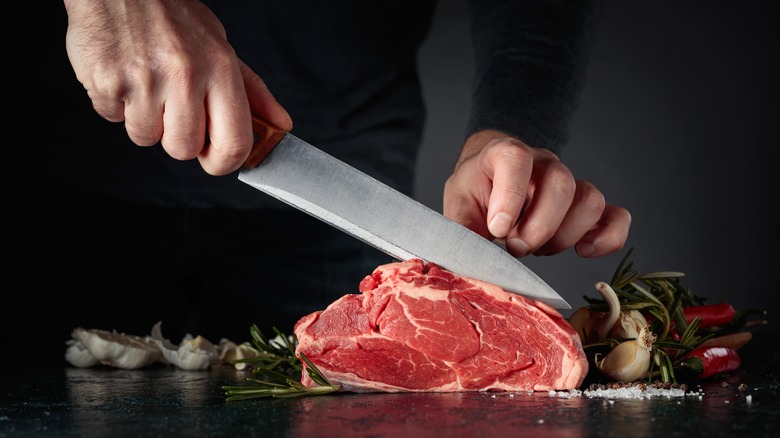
(262, 102)
(143, 118)
(510, 164)
(466, 194)
(586, 210)
(551, 192)
(184, 122)
(111, 109)
(229, 125)
(609, 235)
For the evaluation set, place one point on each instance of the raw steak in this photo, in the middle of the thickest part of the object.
(417, 327)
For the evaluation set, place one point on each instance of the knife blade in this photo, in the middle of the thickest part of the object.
(303, 176)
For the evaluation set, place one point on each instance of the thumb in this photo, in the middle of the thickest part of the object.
(509, 163)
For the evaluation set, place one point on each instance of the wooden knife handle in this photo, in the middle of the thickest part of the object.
(267, 136)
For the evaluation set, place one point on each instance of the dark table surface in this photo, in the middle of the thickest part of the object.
(164, 401)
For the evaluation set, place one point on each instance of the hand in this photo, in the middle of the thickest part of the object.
(166, 69)
(502, 188)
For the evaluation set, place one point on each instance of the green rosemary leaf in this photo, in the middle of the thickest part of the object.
(289, 345)
(677, 314)
(268, 383)
(621, 268)
(647, 293)
(314, 372)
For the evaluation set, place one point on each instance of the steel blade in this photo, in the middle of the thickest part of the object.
(309, 179)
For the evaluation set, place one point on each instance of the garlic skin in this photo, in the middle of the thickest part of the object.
(585, 322)
(628, 325)
(630, 360)
(595, 326)
(101, 347)
(191, 354)
(111, 349)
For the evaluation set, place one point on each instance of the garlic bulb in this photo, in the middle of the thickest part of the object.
(630, 360)
(628, 325)
(110, 348)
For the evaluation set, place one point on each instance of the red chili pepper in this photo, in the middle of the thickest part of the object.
(710, 314)
(709, 361)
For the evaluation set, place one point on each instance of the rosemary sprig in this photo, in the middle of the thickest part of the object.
(277, 363)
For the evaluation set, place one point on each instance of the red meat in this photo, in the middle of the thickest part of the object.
(419, 328)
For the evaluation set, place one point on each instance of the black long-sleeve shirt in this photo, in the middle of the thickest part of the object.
(345, 70)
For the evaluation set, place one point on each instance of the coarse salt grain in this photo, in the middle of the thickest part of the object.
(634, 393)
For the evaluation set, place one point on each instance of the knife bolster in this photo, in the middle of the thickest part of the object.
(266, 136)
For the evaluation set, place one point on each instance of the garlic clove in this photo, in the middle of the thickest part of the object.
(116, 349)
(230, 352)
(280, 342)
(585, 322)
(78, 355)
(614, 309)
(628, 325)
(630, 360)
(191, 354)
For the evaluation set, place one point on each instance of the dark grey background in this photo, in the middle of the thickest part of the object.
(677, 123)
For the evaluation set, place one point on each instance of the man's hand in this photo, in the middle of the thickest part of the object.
(166, 69)
(502, 188)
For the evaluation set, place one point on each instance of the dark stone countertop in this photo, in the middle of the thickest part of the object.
(63, 401)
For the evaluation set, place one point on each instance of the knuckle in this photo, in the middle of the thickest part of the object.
(612, 241)
(590, 197)
(511, 149)
(229, 154)
(562, 181)
(545, 154)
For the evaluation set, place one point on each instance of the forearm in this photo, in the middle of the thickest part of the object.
(531, 60)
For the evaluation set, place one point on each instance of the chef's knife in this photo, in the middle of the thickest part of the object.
(307, 178)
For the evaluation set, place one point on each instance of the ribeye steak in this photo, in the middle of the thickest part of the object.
(417, 327)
